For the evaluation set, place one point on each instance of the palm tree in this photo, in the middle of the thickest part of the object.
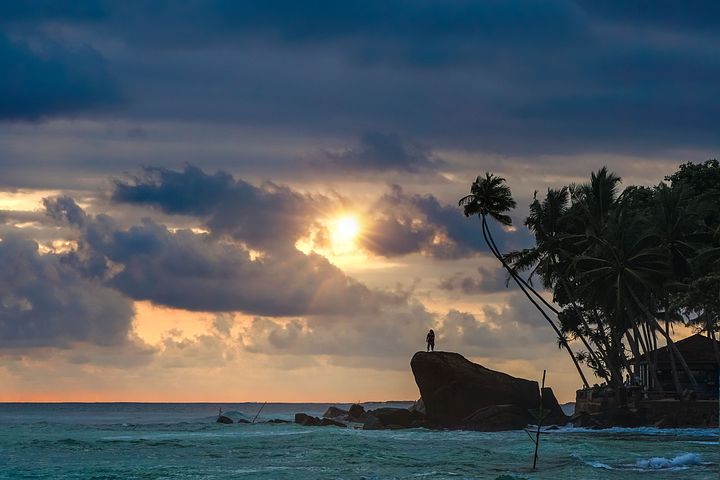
(490, 196)
(550, 259)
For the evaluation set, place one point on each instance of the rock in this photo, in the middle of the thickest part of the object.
(356, 410)
(278, 420)
(305, 419)
(310, 421)
(224, 419)
(335, 412)
(495, 418)
(327, 422)
(453, 388)
(371, 422)
(401, 417)
(549, 402)
(242, 420)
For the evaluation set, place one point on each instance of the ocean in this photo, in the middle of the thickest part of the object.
(154, 441)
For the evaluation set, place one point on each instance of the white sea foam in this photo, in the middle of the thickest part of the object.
(681, 461)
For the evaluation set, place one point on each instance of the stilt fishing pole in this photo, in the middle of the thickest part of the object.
(258, 412)
(539, 415)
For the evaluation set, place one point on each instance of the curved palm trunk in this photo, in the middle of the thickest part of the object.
(493, 248)
(582, 338)
(651, 365)
(609, 363)
(671, 345)
(716, 350)
(673, 365)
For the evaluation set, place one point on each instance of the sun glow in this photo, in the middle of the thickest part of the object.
(344, 231)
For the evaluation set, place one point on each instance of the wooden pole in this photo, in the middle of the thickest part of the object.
(540, 419)
(258, 413)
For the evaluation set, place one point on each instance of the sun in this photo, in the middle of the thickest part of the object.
(344, 230)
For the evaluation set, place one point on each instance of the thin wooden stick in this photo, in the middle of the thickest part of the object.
(540, 419)
(258, 413)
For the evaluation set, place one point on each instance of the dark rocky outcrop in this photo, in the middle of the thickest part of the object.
(454, 390)
(224, 419)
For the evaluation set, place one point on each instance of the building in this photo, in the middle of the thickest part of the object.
(701, 357)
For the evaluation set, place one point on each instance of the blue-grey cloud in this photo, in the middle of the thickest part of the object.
(488, 281)
(46, 303)
(264, 217)
(380, 153)
(402, 224)
(48, 79)
(202, 272)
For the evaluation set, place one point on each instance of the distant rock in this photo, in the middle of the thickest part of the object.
(549, 402)
(335, 412)
(242, 420)
(356, 411)
(278, 420)
(454, 390)
(224, 419)
(310, 421)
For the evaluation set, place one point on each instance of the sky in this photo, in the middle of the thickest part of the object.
(257, 201)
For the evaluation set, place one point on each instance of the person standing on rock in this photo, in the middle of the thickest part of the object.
(430, 339)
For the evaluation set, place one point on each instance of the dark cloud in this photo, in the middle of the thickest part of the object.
(47, 303)
(264, 217)
(382, 152)
(47, 78)
(402, 224)
(489, 281)
(183, 269)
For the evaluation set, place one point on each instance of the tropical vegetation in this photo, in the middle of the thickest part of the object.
(615, 271)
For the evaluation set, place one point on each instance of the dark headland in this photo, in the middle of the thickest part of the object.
(456, 393)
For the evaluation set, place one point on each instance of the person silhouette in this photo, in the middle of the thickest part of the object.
(430, 339)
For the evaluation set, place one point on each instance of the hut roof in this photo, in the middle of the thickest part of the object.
(696, 349)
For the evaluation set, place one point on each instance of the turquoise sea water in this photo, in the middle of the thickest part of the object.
(181, 441)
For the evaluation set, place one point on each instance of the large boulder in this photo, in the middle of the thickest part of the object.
(496, 418)
(453, 388)
(395, 417)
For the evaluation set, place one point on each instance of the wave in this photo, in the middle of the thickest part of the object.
(682, 461)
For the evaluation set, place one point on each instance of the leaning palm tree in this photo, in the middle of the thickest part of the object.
(491, 197)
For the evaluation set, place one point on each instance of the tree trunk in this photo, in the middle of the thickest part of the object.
(671, 345)
(493, 248)
(673, 365)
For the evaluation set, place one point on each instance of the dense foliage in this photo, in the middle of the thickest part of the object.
(624, 266)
